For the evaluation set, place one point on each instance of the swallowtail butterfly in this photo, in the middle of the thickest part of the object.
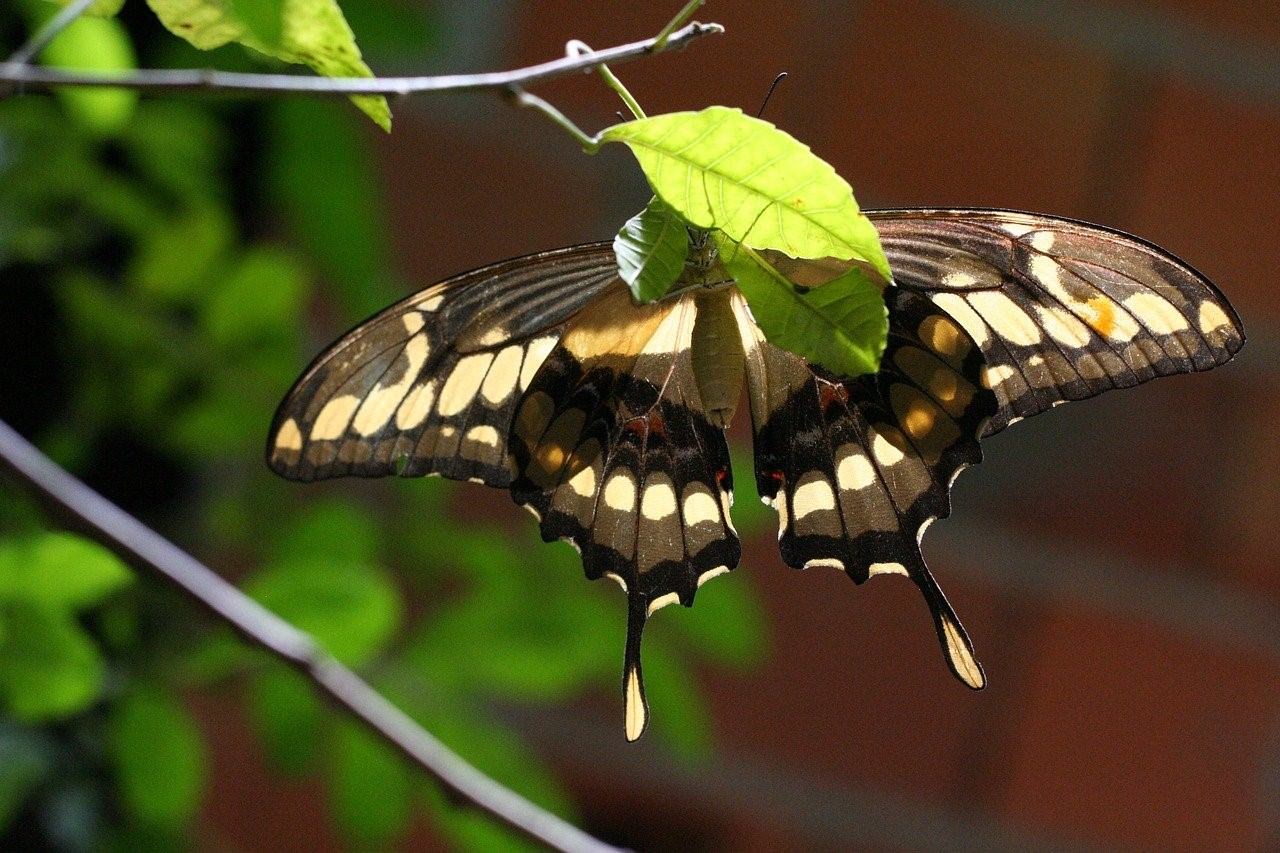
(606, 418)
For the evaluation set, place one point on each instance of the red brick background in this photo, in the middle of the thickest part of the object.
(1115, 561)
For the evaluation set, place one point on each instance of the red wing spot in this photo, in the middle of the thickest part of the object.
(722, 477)
(652, 424)
(638, 426)
(657, 424)
(830, 392)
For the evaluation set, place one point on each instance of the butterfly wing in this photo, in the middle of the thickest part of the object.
(614, 452)
(1061, 309)
(856, 469)
(429, 386)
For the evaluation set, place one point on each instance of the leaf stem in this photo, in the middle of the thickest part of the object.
(577, 47)
(225, 81)
(590, 144)
(666, 33)
(88, 512)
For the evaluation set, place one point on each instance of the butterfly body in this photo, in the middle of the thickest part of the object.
(606, 417)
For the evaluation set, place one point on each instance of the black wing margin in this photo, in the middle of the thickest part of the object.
(1062, 310)
(430, 385)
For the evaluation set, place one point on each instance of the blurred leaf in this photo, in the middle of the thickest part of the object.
(314, 33)
(183, 252)
(677, 712)
(102, 8)
(842, 325)
(49, 668)
(352, 610)
(651, 249)
(725, 623)
(179, 146)
(159, 757)
(258, 297)
(322, 173)
(26, 760)
(263, 18)
(288, 717)
(369, 786)
(335, 529)
(94, 44)
(59, 570)
(406, 31)
(759, 185)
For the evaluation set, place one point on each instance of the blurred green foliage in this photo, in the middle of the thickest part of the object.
(159, 257)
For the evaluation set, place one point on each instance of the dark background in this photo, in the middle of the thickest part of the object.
(1114, 561)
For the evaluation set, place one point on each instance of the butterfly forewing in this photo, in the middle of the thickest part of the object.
(430, 385)
(1062, 310)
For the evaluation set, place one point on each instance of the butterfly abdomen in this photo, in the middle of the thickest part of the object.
(719, 363)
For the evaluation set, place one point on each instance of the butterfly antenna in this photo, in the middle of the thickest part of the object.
(769, 94)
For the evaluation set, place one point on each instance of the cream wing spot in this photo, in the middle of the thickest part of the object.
(659, 501)
(534, 355)
(886, 569)
(417, 404)
(883, 450)
(661, 602)
(583, 483)
(332, 421)
(484, 434)
(432, 303)
(992, 376)
(699, 506)
(712, 573)
(961, 657)
(381, 403)
(853, 470)
(962, 313)
(503, 375)
(463, 383)
(636, 715)
(1004, 315)
(824, 563)
(1063, 327)
(413, 322)
(620, 492)
(813, 495)
(289, 437)
(1156, 313)
(1212, 317)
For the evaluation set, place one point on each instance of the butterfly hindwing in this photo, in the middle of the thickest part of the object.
(614, 452)
(857, 468)
(1062, 310)
(430, 385)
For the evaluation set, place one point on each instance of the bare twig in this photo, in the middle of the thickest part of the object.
(86, 511)
(40, 40)
(188, 79)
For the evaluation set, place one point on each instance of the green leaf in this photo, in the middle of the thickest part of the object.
(288, 718)
(176, 258)
(335, 529)
(313, 33)
(100, 8)
(321, 173)
(159, 757)
(651, 249)
(263, 18)
(369, 787)
(59, 570)
(351, 610)
(725, 624)
(721, 169)
(94, 44)
(49, 668)
(842, 325)
(677, 711)
(750, 514)
(260, 295)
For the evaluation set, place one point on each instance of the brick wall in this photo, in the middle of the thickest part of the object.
(1115, 561)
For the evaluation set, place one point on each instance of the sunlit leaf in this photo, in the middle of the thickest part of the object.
(369, 786)
(159, 757)
(49, 668)
(651, 249)
(313, 33)
(722, 169)
(351, 610)
(842, 325)
(94, 44)
(59, 570)
(260, 295)
(263, 18)
(288, 716)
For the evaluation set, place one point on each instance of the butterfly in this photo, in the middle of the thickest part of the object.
(606, 418)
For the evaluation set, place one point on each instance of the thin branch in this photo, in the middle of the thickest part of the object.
(668, 32)
(40, 40)
(86, 511)
(527, 99)
(188, 79)
(577, 47)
